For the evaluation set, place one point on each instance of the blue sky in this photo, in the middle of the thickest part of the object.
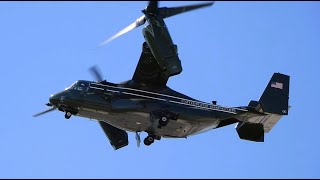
(228, 51)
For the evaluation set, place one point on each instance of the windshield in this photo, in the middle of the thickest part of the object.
(78, 85)
(72, 86)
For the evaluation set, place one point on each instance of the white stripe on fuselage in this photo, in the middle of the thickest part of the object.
(197, 104)
(143, 96)
(96, 88)
(165, 95)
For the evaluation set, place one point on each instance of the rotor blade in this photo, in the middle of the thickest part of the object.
(135, 24)
(46, 111)
(168, 12)
(96, 73)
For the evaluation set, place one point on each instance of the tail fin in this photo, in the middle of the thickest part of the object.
(273, 104)
(275, 97)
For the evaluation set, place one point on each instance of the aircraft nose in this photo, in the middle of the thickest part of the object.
(57, 99)
(54, 99)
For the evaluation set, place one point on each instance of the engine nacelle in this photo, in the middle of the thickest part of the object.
(163, 49)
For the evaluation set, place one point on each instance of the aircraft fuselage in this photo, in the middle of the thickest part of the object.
(135, 108)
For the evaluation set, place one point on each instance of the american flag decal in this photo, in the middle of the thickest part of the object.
(276, 85)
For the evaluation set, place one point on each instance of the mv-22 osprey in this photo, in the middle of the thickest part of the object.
(146, 104)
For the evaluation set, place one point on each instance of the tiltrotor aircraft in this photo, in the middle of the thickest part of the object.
(146, 104)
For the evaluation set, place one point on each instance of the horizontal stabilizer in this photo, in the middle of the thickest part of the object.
(256, 105)
(264, 114)
(273, 102)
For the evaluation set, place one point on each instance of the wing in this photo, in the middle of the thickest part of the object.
(118, 138)
(148, 72)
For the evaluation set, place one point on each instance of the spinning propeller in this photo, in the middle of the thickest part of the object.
(152, 10)
(46, 111)
(96, 73)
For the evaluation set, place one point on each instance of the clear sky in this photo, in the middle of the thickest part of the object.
(228, 51)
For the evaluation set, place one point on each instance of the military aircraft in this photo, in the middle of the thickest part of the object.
(146, 104)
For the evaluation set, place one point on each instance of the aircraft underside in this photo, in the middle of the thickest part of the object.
(144, 122)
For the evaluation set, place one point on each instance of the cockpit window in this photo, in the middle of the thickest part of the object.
(79, 85)
(82, 86)
(72, 86)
